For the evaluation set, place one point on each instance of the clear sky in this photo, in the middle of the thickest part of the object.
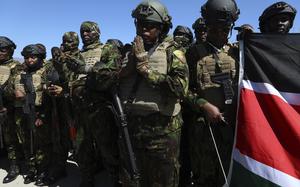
(45, 21)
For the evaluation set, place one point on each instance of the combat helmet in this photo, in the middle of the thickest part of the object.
(183, 30)
(116, 42)
(32, 49)
(199, 24)
(220, 12)
(7, 43)
(153, 11)
(275, 9)
(42, 48)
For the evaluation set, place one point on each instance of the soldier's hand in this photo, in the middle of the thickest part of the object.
(141, 55)
(55, 90)
(139, 49)
(73, 63)
(213, 113)
(56, 54)
(19, 94)
(39, 122)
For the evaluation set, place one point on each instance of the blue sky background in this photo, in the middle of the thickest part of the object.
(45, 21)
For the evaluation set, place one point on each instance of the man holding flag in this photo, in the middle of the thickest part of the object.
(213, 81)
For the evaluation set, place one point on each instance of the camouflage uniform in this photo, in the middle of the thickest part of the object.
(152, 82)
(38, 161)
(100, 134)
(95, 118)
(9, 128)
(183, 37)
(204, 66)
(60, 114)
(7, 66)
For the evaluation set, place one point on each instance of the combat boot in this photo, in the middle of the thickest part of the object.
(54, 176)
(12, 173)
(41, 179)
(30, 177)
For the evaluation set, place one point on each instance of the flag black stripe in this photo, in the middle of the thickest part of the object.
(274, 59)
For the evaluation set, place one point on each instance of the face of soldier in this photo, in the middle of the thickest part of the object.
(69, 44)
(200, 34)
(88, 36)
(218, 35)
(279, 24)
(4, 54)
(182, 39)
(149, 31)
(31, 60)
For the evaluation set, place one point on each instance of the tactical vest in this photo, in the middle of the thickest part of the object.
(37, 83)
(147, 99)
(92, 56)
(5, 71)
(207, 67)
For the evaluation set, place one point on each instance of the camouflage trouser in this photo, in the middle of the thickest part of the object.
(10, 131)
(155, 140)
(19, 143)
(205, 165)
(99, 143)
(43, 144)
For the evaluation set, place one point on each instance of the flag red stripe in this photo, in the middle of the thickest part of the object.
(269, 131)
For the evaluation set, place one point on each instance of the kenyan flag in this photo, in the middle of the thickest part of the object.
(267, 141)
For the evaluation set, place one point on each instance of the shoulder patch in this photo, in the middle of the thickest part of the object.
(180, 55)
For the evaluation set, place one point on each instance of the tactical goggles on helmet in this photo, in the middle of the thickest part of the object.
(148, 25)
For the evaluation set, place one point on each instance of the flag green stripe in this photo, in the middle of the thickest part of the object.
(241, 177)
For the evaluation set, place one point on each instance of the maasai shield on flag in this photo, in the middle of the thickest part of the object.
(267, 141)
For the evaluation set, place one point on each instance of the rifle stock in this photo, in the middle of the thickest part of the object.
(125, 141)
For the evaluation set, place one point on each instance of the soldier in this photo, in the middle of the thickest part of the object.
(100, 133)
(96, 120)
(117, 43)
(58, 116)
(26, 85)
(200, 30)
(153, 79)
(183, 36)
(90, 35)
(277, 18)
(212, 83)
(7, 65)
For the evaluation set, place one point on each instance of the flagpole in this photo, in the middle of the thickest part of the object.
(241, 76)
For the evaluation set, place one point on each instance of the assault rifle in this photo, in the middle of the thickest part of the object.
(29, 106)
(125, 145)
(53, 79)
